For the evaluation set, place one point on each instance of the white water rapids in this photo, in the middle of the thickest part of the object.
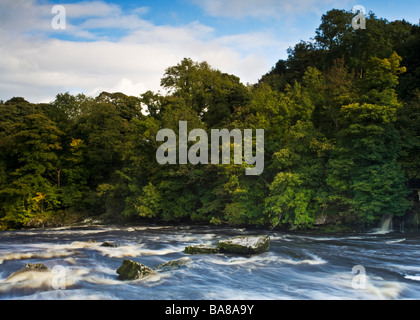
(297, 266)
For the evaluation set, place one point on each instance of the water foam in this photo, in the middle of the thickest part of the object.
(375, 287)
(415, 278)
(27, 282)
(266, 259)
(394, 241)
(48, 254)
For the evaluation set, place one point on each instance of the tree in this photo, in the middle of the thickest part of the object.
(128, 107)
(298, 192)
(408, 119)
(364, 175)
(102, 129)
(335, 33)
(213, 95)
(378, 86)
(329, 91)
(30, 192)
(410, 81)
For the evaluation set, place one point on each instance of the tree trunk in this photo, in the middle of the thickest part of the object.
(58, 178)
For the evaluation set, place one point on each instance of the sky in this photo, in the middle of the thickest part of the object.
(125, 46)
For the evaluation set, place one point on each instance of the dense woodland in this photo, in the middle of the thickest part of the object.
(342, 140)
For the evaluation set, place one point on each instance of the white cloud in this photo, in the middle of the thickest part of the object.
(36, 66)
(141, 10)
(17, 16)
(127, 86)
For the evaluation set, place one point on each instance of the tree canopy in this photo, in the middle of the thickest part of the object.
(341, 122)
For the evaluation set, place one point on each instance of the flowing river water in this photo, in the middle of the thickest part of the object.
(297, 266)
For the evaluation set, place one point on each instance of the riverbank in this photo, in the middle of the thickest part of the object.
(408, 224)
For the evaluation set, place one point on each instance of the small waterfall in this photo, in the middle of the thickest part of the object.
(386, 223)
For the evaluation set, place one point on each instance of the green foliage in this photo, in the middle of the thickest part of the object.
(363, 170)
(213, 95)
(380, 81)
(149, 202)
(298, 192)
(289, 201)
(341, 121)
(30, 189)
(408, 119)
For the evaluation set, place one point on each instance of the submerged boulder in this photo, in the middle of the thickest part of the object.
(131, 270)
(245, 245)
(35, 267)
(38, 267)
(173, 264)
(110, 244)
(201, 249)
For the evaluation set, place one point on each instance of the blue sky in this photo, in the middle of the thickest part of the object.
(126, 45)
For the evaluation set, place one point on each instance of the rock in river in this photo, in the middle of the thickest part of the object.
(131, 270)
(110, 244)
(38, 267)
(245, 245)
(173, 264)
(201, 249)
(35, 267)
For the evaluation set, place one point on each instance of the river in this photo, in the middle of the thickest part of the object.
(297, 266)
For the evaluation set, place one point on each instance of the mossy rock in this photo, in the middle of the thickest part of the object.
(173, 264)
(201, 249)
(37, 267)
(131, 270)
(246, 245)
(109, 244)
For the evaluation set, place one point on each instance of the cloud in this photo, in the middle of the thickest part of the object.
(20, 15)
(92, 9)
(38, 62)
(141, 10)
(278, 9)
